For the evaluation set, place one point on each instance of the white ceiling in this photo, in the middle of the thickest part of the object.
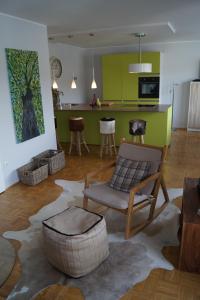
(112, 22)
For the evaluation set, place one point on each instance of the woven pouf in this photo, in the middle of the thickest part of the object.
(75, 241)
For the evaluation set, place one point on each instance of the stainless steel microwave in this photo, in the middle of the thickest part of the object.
(148, 87)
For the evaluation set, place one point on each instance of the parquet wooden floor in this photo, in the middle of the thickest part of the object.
(19, 202)
(60, 292)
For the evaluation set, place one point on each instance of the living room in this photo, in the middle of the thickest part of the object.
(172, 30)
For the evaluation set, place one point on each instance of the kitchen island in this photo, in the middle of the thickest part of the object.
(158, 117)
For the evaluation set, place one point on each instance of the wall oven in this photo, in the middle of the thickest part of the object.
(148, 87)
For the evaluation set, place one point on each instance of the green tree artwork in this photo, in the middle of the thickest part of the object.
(24, 82)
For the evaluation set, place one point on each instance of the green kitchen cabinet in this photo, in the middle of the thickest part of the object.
(130, 81)
(158, 131)
(112, 77)
(118, 83)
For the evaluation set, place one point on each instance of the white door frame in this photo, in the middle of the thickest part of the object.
(2, 182)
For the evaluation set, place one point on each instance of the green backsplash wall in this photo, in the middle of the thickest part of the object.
(118, 84)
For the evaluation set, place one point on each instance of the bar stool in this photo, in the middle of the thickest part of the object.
(107, 131)
(137, 129)
(59, 147)
(76, 127)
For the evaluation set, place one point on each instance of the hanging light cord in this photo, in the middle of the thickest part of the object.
(93, 72)
(93, 64)
(140, 49)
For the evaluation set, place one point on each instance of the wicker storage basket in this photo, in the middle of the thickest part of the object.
(54, 158)
(33, 172)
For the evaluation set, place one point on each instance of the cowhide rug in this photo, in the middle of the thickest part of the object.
(7, 259)
(129, 261)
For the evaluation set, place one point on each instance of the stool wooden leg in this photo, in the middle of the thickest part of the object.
(113, 142)
(134, 138)
(102, 145)
(110, 143)
(71, 142)
(107, 143)
(141, 139)
(78, 142)
(59, 147)
(84, 142)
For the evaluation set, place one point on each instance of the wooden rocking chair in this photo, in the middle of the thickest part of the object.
(142, 194)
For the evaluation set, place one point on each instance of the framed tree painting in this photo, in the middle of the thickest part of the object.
(25, 90)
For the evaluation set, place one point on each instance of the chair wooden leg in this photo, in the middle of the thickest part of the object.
(85, 202)
(152, 209)
(154, 199)
(164, 189)
(128, 226)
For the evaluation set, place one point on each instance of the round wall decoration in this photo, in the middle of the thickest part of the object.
(56, 67)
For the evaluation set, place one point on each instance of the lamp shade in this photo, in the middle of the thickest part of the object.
(73, 84)
(55, 86)
(93, 85)
(140, 68)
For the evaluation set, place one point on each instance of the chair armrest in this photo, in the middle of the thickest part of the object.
(139, 186)
(144, 182)
(93, 174)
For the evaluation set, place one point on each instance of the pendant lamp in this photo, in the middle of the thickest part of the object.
(93, 85)
(73, 84)
(140, 67)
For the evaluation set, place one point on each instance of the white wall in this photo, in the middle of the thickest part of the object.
(20, 34)
(74, 60)
(180, 63)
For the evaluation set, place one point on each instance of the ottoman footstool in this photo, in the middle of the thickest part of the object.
(75, 241)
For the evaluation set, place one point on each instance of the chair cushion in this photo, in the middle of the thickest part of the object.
(105, 195)
(128, 173)
(138, 152)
